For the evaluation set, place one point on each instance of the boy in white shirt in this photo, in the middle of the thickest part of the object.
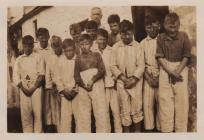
(28, 76)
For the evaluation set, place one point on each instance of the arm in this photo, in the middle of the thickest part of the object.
(48, 77)
(77, 76)
(101, 68)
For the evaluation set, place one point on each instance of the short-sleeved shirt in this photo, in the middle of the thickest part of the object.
(173, 49)
(88, 61)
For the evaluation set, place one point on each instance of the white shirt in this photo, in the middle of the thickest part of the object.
(106, 56)
(65, 73)
(149, 46)
(27, 69)
(127, 59)
(51, 67)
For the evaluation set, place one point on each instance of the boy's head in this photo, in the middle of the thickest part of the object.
(56, 44)
(43, 37)
(172, 24)
(68, 46)
(28, 44)
(91, 29)
(126, 31)
(85, 43)
(114, 23)
(152, 26)
(75, 31)
(102, 38)
(96, 14)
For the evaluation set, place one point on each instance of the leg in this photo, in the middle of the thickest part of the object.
(124, 100)
(37, 110)
(165, 103)
(47, 108)
(148, 106)
(26, 113)
(100, 109)
(66, 116)
(181, 103)
(136, 105)
(114, 104)
(82, 111)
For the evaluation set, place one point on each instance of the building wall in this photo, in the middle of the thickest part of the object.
(57, 19)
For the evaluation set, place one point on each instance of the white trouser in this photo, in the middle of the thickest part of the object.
(113, 102)
(31, 111)
(173, 101)
(52, 107)
(130, 103)
(68, 108)
(95, 99)
(149, 100)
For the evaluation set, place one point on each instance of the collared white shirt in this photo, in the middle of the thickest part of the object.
(27, 69)
(65, 73)
(149, 46)
(106, 56)
(127, 59)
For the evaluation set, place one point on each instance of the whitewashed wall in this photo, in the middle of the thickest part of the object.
(57, 19)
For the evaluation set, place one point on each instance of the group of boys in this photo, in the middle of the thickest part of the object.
(97, 71)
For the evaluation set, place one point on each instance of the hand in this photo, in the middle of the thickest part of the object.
(88, 88)
(73, 93)
(131, 82)
(67, 95)
(175, 76)
(153, 82)
(26, 91)
(123, 78)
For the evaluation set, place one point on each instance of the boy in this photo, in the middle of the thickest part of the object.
(89, 73)
(75, 31)
(173, 54)
(128, 67)
(28, 76)
(151, 74)
(91, 29)
(111, 94)
(53, 100)
(114, 24)
(66, 86)
(44, 49)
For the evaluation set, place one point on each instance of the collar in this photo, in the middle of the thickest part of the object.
(47, 48)
(23, 55)
(166, 37)
(149, 38)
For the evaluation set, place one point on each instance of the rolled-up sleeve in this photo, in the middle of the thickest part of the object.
(159, 50)
(113, 62)
(140, 64)
(16, 73)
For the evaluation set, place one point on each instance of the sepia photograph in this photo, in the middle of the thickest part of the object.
(101, 69)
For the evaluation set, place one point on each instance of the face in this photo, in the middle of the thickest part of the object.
(43, 39)
(152, 30)
(28, 48)
(85, 46)
(172, 28)
(127, 37)
(92, 33)
(57, 49)
(69, 52)
(114, 27)
(96, 15)
(101, 41)
(75, 35)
